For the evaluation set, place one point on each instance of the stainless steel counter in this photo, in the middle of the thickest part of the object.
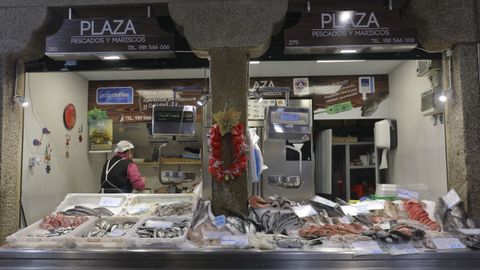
(228, 259)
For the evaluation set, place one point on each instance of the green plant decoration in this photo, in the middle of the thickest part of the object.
(96, 114)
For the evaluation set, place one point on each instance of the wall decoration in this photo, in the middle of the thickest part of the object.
(227, 122)
(47, 157)
(37, 142)
(69, 116)
(114, 95)
(100, 135)
(67, 145)
(80, 133)
(300, 87)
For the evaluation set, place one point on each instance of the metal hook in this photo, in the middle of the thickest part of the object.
(69, 13)
(308, 6)
(148, 12)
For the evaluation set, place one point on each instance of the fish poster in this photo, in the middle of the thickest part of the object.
(339, 97)
(100, 135)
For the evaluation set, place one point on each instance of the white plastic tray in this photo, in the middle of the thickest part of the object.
(93, 200)
(77, 241)
(136, 242)
(137, 199)
(25, 238)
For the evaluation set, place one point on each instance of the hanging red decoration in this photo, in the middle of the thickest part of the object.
(239, 163)
(69, 116)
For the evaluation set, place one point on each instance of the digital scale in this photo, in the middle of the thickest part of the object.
(173, 120)
(288, 123)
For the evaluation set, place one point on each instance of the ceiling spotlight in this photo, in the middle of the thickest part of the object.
(348, 51)
(340, 61)
(258, 96)
(445, 95)
(203, 100)
(111, 57)
(21, 100)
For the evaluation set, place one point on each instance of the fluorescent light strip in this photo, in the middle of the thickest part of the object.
(254, 62)
(348, 51)
(111, 57)
(339, 61)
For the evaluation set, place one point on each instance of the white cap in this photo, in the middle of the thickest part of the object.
(123, 146)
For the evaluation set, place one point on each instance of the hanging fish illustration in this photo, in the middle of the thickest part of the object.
(370, 105)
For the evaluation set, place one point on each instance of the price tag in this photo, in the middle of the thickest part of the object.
(117, 232)
(158, 224)
(347, 219)
(385, 226)
(451, 199)
(407, 194)
(349, 210)
(402, 249)
(209, 235)
(110, 202)
(469, 231)
(220, 221)
(372, 205)
(304, 211)
(234, 240)
(448, 243)
(323, 201)
(362, 209)
(366, 248)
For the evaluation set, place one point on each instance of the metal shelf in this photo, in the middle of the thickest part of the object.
(354, 143)
(362, 167)
(172, 161)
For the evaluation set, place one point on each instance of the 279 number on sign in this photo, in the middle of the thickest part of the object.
(293, 42)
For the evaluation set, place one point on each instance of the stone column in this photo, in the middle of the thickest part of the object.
(462, 118)
(10, 152)
(229, 32)
(20, 41)
(229, 84)
(454, 24)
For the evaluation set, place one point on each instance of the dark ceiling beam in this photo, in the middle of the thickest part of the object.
(322, 5)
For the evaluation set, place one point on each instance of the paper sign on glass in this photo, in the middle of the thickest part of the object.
(110, 202)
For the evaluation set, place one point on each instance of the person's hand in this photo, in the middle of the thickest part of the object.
(143, 179)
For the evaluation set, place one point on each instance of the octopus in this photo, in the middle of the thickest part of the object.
(315, 231)
(60, 220)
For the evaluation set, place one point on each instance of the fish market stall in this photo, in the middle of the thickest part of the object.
(140, 230)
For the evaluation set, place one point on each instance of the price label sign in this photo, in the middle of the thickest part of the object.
(366, 248)
(234, 240)
(323, 201)
(304, 211)
(220, 221)
(451, 198)
(447, 243)
(407, 194)
(110, 202)
(349, 210)
(470, 231)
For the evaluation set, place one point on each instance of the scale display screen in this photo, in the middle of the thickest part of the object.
(289, 116)
(173, 120)
(288, 123)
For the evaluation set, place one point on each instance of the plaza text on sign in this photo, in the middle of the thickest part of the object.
(125, 36)
(330, 31)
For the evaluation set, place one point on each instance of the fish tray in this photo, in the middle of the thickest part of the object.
(137, 199)
(94, 200)
(26, 238)
(76, 239)
(155, 243)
